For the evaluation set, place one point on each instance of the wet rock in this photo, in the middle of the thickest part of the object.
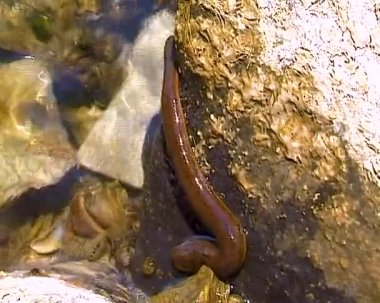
(119, 135)
(26, 26)
(102, 222)
(81, 121)
(34, 147)
(60, 33)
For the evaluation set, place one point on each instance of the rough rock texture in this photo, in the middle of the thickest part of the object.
(268, 130)
(69, 282)
(338, 52)
(200, 288)
(341, 49)
(32, 290)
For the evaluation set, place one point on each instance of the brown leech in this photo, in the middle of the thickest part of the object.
(226, 256)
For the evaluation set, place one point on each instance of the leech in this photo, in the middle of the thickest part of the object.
(226, 255)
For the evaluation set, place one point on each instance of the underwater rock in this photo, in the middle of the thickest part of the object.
(34, 147)
(32, 240)
(96, 221)
(50, 239)
(81, 121)
(171, 4)
(27, 26)
(81, 54)
(102, 222)
(114, 146)
(34, 223)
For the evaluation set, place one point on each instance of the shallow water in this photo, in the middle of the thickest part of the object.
(116, 19)
(74, 85)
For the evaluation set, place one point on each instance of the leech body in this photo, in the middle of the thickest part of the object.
(226, 256)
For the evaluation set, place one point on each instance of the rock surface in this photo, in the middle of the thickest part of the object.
(31, 289)
(114, 146)
(266, 115)
(34, 146)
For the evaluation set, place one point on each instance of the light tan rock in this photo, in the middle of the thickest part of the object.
(114, 146)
